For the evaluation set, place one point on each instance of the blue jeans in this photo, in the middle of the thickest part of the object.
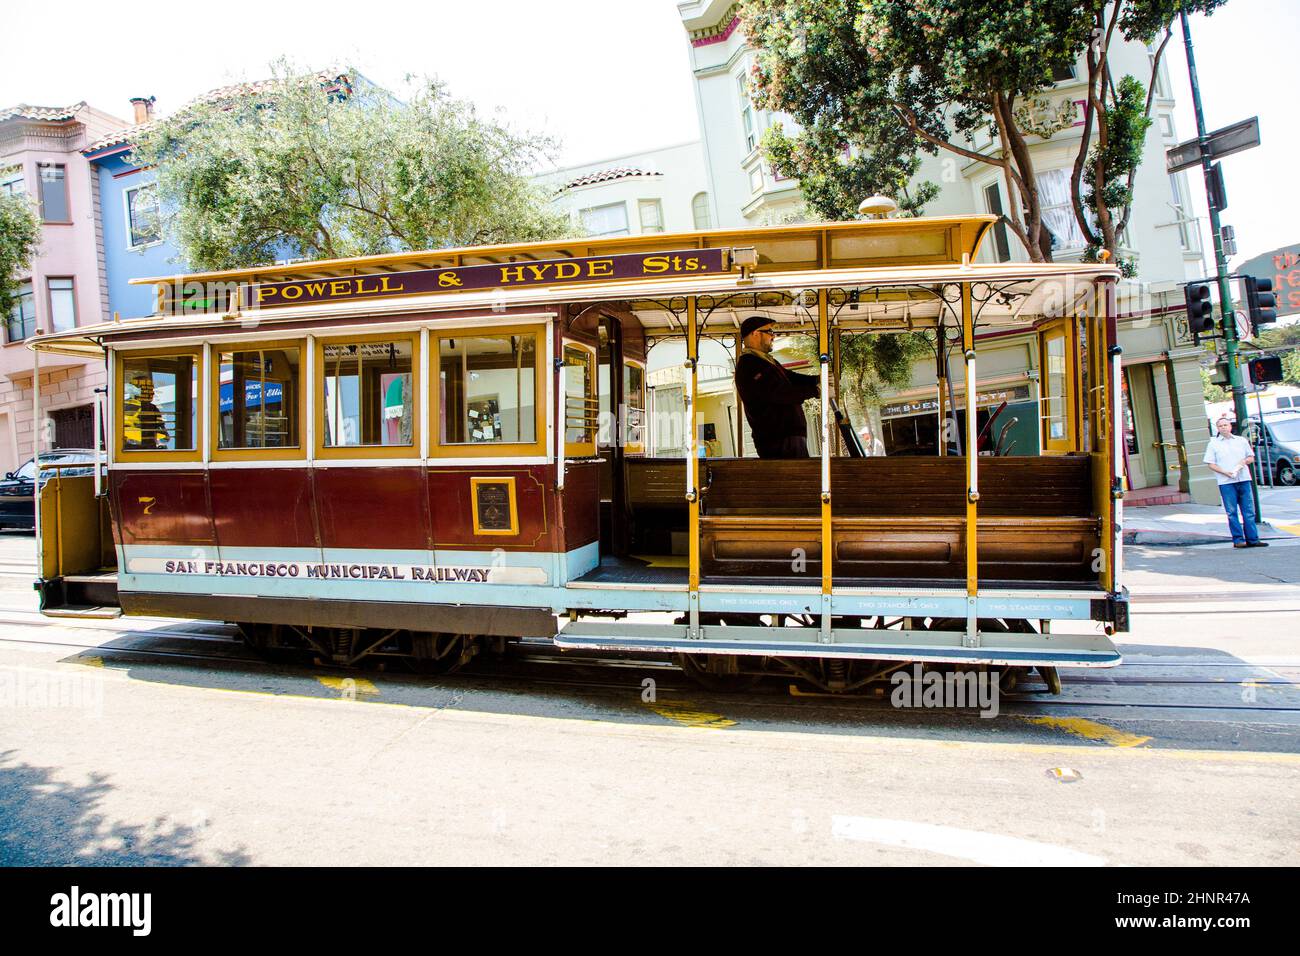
(1237, 494)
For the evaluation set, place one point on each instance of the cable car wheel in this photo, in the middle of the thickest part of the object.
(717, 672)
(438, 653)
(1010, 679)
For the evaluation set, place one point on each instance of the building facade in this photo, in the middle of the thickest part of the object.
(40, 156)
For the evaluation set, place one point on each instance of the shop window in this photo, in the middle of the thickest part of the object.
(159, 401)
(487, 392)
(257, 398)
(1130, 423)
(581, 404)
(368, 394)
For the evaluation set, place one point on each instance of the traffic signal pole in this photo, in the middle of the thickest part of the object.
(1228, 321)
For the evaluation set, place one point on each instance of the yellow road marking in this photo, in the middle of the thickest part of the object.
(1288, 528)
(682, 712)
(1090, 730)
(791, 740)
(350, 688)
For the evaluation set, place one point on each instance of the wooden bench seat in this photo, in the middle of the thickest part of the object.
(1019, 548)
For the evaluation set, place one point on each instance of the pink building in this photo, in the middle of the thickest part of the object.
(40, 156)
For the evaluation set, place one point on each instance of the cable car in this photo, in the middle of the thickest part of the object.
(425, 454)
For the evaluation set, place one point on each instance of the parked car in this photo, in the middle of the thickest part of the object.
(1277, 447)
(17, 490)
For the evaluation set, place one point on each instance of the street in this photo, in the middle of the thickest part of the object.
(139, 741)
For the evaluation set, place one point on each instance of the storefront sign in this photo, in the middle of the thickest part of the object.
(505, 275)
(923, 406)
(1283, 267)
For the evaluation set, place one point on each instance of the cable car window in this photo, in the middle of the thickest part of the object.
(580, 403)
(1054, 392)
(634, 402)
(368, 393)
(258, 399)
(159, 402)
(487, 387)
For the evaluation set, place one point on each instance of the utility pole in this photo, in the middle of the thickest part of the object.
(1228, 321)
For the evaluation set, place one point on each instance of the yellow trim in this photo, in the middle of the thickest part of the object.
(636, 448)
(326, 452)
(971, 449)
(1062, 329)
(124, 454)
(505, 450)
(514, 507)
(1106, 439)
(823, 347)
(962, 234)
(297, 452)
(692, 354)
(591, 399)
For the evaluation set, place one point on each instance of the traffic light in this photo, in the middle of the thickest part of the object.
(1261, 304)
(1200, 311)
(1266, 369)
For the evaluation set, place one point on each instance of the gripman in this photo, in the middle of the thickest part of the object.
(933, 689)
(75, 908)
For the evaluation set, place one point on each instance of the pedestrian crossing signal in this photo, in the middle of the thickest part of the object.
(1265, 369)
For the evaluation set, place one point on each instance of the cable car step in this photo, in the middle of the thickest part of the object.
(99, 613)
(1011, 649)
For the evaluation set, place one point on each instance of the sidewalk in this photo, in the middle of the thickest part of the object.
(1187, 524)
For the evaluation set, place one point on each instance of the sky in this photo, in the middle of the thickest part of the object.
(604, 77)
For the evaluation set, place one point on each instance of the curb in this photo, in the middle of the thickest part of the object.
(1159, 537)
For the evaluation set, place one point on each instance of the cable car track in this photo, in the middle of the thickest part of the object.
(500, 676)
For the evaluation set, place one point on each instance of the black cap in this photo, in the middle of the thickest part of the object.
(752, 323)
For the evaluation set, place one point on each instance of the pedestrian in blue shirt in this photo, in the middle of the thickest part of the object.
(1229, 457)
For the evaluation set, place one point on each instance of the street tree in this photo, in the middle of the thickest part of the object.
(316, 166)
(872, 83)
(20, 234)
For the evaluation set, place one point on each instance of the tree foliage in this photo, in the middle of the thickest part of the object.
(20, 234)
(322, 170)
(886, 80)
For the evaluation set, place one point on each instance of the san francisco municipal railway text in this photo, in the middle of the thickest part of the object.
(357, 572)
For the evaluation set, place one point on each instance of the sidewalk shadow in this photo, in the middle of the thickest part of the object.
(1271, 565)
(45, 821)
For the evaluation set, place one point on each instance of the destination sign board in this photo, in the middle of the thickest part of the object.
(501, 275)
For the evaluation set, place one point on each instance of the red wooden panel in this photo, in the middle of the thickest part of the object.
(372, 507)
(453, 521)
(262, 507)
(162, 507)
(581, 502)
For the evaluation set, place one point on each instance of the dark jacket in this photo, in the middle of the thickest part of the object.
(773, 399)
